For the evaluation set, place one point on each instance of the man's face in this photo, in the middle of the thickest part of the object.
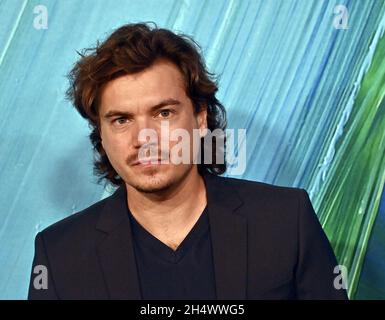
(143, 100)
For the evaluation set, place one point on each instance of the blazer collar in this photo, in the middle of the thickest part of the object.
(228, 236)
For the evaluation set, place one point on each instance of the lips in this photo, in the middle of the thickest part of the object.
(147, 162)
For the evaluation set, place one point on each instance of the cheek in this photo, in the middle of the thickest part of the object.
(113, 145)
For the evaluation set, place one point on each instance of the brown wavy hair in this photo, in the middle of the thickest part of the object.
(130, 49)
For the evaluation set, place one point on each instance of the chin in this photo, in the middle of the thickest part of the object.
(153, 181)
(150, 183)
(152, 187)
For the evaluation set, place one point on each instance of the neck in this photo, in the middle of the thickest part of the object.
(169, 216)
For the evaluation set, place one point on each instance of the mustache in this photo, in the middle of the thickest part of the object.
(148, 151)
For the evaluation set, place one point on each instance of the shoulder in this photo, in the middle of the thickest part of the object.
(263, 192)
(263, 203)
(77, 225)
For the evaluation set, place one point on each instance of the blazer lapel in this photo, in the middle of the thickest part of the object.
(116, 252)
(228, 237)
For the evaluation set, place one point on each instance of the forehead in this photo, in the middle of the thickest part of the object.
(162, 80)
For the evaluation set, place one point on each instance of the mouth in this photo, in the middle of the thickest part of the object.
(147, 163)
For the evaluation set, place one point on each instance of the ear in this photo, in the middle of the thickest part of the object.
(202, 119)
(100, 134)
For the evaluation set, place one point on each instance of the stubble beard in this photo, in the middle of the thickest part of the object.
(152, 183)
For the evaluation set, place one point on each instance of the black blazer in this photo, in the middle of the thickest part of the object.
(267, 244)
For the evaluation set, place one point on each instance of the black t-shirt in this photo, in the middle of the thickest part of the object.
(165, 274)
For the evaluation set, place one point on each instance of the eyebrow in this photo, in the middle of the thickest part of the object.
(166, 102)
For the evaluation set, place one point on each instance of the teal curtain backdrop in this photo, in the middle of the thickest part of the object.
(305, 78)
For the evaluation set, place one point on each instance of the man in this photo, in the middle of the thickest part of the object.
(174, 230)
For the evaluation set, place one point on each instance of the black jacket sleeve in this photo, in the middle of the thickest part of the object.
(41, 286)
(315, 277)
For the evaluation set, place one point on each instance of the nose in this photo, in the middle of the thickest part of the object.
(143, 133)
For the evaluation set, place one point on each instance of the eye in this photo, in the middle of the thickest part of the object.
(165, 113)
(119, 121)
